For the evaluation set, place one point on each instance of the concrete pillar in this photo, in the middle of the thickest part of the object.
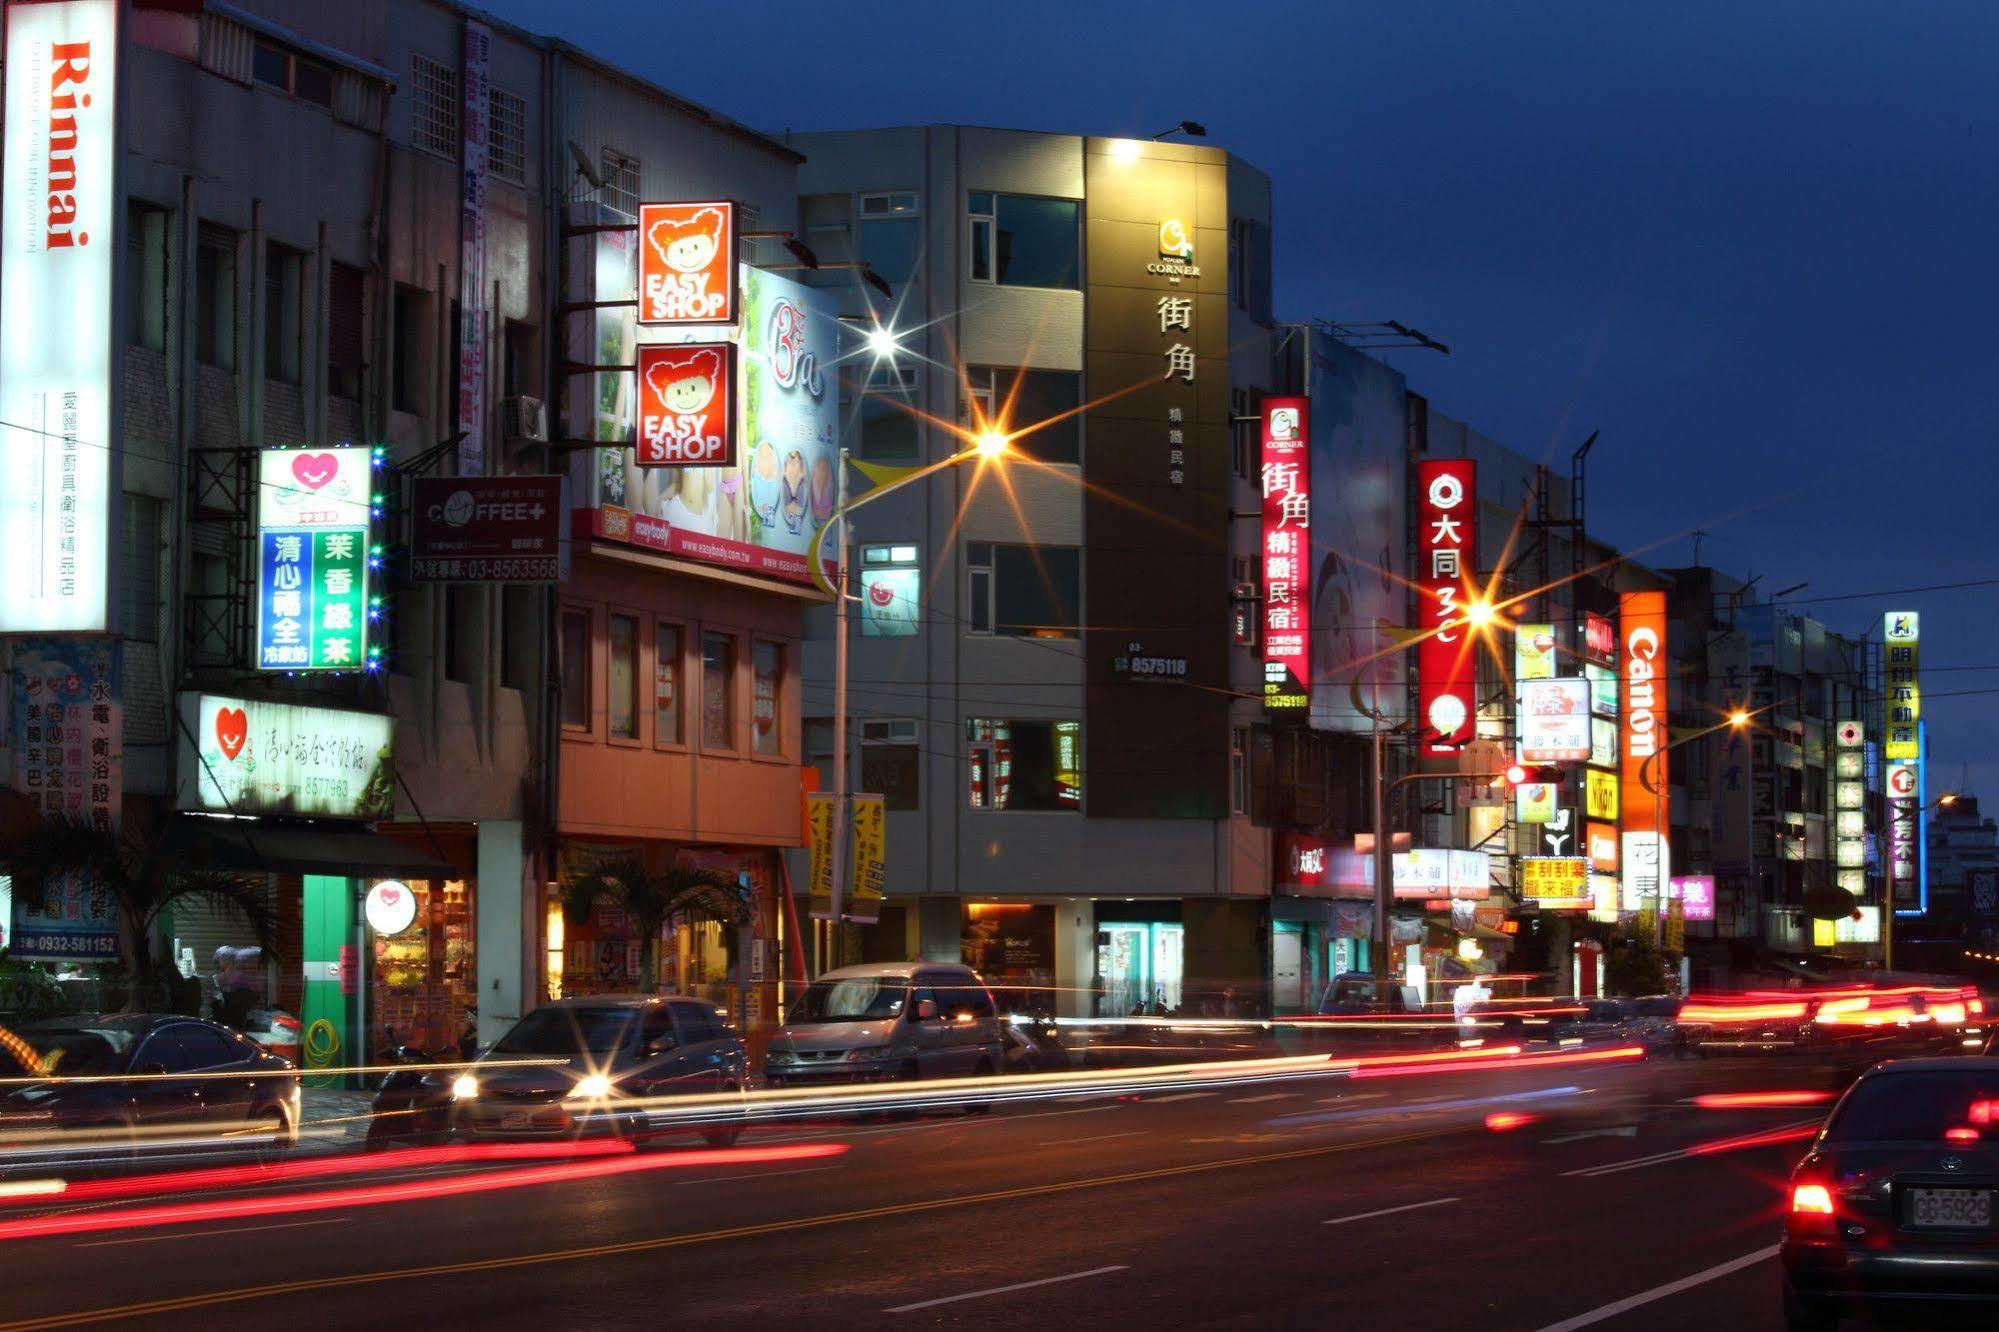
(501, 944)
(942, 926)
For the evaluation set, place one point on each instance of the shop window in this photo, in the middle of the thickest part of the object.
(718, 691)
(891, 234)
(284, 280)
(1023, 591)
(1045, 403)
(423, 978)
(215, 297)
(891, 591)
(891, 763)
(667, 702)
(623, 690)
(576, 669)
(767, 698)
(1024, 765)
(146, 276)
(1019, 240)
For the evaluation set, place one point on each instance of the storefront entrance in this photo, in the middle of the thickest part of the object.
(1139, 965)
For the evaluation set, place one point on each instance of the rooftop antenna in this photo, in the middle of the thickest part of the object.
(1699, 534)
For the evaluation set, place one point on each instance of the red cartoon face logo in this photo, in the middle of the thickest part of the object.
(685, 413)
(688, 244)
(232, 731)
(687, 263)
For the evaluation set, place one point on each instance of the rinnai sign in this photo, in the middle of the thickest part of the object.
(253, 757)
(1447, 547)
(687, 263)
(687, 405)
(1287, 553)
(58, 241)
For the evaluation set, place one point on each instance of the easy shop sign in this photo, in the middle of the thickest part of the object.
(687, 263)
(687, 405)
(254, 757)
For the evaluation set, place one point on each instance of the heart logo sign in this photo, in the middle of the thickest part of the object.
(232, 731)
(390, 896)
(881, 594)
(314, 470)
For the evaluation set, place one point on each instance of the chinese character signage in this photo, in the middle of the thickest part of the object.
(1903, 699)
(475, 86)
(1534, 652)
(819, 839)
(57, 242)
(1599, 639)
(1287, 553)
(253, 757)
(687, 405)
(487, 529)
(1905, 786)
(870, 859)
(1554, 720)
(1555, 881)
(312, 559)
(1446, 550)
(687, 263)
(75, 922)
(67, 728)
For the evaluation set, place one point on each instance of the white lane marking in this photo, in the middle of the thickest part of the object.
(204, 1234)
(1267, 1096)
(1003, 1290)
(820, 1134)
(1630, 1302)
(1349, 1097)
(1621, 1131)
(1178, 1096)
(762, 1174)
(1097, 1137)
(1680, 1154)
(1387, 1211)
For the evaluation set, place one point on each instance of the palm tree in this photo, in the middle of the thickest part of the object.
(130, 869)
(650, 900)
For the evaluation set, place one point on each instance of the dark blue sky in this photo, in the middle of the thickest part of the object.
(1753, 245)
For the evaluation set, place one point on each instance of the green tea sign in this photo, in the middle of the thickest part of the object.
(254, 757)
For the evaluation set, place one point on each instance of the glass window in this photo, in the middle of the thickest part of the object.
(284, 270)
(345, 334)
(205, 1047)
(1916, 1107)
(1031, 765)
(891, 763)
(146, 276)
(215, 298)
(767, 698)
(164, 1049)
(312, 81)
(567, 1032)
(656, 1027)
(889, 428)
(697, 1023)
(1045, 403)
(891, 234)
(1036, 591)
(1035, 242)
(576, 669)
(666, 673)
(624, 685)
(433, 106)
(859, 999)
(270, 66)
(412, 338)
(621, 172)
(718, 691)
(507, 135)
(142, 587)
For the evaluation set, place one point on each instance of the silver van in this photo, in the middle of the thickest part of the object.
(887, 1021)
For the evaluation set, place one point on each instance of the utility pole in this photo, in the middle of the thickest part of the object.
(838, 903)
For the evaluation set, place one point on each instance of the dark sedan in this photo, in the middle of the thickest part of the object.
(77, 1087)
(597, 1067)
(1895, 1203)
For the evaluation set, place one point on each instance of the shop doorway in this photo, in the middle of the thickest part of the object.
(1287, 968)
(1140, 966)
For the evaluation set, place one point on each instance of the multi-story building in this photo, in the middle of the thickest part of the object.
(1963, 870)
(1042, 681)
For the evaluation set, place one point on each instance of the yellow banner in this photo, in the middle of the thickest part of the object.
(1554, 878)
(1534, 652)
(819, 827)
(870, 851)
(1600, 794)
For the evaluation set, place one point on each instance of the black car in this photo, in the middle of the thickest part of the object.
(595, 1067)
(1896, 1202)
(80, 1087)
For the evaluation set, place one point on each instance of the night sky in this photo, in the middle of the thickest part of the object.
(1754, 246)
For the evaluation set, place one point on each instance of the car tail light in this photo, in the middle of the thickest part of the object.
(1811, 1209)
(1961, 1137)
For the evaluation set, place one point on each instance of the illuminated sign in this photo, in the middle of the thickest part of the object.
(1555, 881)
(1696, 894)
(1430, 872)
(1446, 549)
(1554, 721)
(313, 603)
(1643, 738)
(1534, 652)
(390, 907)
(1849, 800)
(1600, 846)
(57, 242)
(891, 592)
(1603, 742)
(1904, 782)
(1599, 639)
(1600, 795)
(1903, 703)
(1287, 553)
(253, 757)
(687, 405)
(687, 263)
(1647, 867)
(1602, 689)
(1534, 802)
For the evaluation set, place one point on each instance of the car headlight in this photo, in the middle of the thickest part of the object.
(464, 1087)
(862, 1053)
(593, 1087)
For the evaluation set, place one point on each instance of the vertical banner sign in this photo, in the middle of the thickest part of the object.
(1534, 652)
(1446, 549)
(312, 559)
(819, 836)
(1645, 780)
(870, 859)
(687, 263)
(1904, 789)
(1904, 691)
(67, 731)
(687, 405)
(476, 81)
(1849, 808)
(1287, 553)
(58, 241)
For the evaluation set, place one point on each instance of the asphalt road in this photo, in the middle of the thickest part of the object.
(1382, 1203)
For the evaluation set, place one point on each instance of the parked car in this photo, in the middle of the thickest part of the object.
(1894, 1205)
(1599, 1020)
(895, 1021)
(1354, 1011)
(131, 1077)
(590, 1067)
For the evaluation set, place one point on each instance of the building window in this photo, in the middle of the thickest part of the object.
(891, 234)
(142, 587)
(312, 82)
(622, 190)
(890, 430)
(667, 671)
(284, 280)
(215, 297)
(507, 136)
(464, 632)
(146, 277)
(345, 334)
(1240, 442)
(767, 698)
(517, 636)
(1031, 765)
(891, 591)
(891, 763)
(308, 80)
(1021, 240)
(1045, 403)
(433, 106)
(623, 692)
(576, 670)
(271, 66)
(718, 691)
(1239, 770)
(412, 315)
(1023, 591)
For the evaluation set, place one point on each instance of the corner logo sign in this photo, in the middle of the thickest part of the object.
(1176, 252)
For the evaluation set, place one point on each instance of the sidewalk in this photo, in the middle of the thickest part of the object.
(333, 1119)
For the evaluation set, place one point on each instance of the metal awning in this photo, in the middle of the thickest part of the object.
(258, 846)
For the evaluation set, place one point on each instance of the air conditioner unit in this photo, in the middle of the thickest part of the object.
(524, 418)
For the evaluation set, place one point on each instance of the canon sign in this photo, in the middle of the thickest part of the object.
(57, 318)
(1641, 651)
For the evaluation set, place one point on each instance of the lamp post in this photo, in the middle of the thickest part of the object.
(1735, 721)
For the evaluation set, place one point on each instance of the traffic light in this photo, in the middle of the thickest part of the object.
(1524, 774)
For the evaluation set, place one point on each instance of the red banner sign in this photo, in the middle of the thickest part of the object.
(687, 405)
(1642, 624)
(1446, 550)
(687, 263)
(1287, 554)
